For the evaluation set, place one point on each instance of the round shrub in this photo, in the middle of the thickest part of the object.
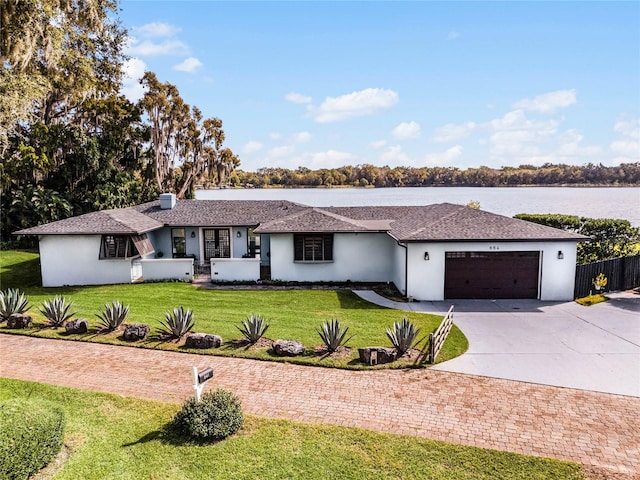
(217, 416)
(31, 436)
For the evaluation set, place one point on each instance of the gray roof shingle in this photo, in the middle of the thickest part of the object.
(428, 223)
(123, 221)
(319, 220)
(219, 213)
(449, 222)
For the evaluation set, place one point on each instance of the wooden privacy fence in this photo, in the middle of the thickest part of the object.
(622, 274)
(437, 338)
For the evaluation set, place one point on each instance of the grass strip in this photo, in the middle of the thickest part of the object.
(292, 314)
(113, 437)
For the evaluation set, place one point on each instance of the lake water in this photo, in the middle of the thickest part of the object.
(596, 202)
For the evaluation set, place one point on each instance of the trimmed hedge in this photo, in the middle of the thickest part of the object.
(217, 416)
(31, 436)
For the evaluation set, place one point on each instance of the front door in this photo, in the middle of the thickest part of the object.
(217, 243)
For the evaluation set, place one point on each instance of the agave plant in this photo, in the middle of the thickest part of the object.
(332, 334)
(176, 324)
(253, 328)
(57, 311)
(12, 301)
(113, 316)
(403, 336)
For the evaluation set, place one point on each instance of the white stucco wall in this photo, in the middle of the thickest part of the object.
(74, 260)
(238, 244)
(235, 269)
(399, 260)
(358, 257)
(167, 269)
(426, 278)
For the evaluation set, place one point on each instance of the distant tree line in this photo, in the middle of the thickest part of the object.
(69, 142)
(372, 176)
(610, 238)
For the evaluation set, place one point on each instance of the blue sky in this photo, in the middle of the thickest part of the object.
(462, 84)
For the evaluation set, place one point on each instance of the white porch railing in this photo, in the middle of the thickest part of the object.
(235, 269)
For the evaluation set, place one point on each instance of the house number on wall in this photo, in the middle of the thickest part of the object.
(494, 247)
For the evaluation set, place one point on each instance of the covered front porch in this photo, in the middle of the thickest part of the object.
(224, 254)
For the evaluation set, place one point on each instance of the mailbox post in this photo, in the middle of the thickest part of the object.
(199, 379)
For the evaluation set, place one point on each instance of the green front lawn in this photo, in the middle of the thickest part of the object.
(293, 314)
(108, 436)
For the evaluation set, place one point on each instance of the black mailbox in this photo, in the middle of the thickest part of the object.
(205, 375)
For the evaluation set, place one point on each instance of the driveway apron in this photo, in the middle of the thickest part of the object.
(562, 344)
(599, 430)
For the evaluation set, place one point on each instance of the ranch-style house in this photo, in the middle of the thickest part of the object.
(431, 252)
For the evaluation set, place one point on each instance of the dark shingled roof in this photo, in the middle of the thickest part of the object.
(319, 220)
(219, 213)
(448, 222)
(123, 221)
(428, 223)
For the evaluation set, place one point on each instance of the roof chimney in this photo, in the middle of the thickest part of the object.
(167, 201)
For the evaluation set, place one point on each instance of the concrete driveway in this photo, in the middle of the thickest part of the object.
(564, 344)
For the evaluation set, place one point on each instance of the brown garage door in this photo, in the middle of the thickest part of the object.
(491, 274)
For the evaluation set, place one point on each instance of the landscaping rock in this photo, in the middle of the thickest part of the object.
(203, 340)
(136, 331)
(19, 320)
(377, 355)
(287, 348)
(79, 325)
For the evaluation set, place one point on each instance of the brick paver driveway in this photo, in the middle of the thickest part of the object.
(597, 429)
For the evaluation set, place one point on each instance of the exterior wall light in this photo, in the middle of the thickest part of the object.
(193, 234)
(238, 234)
(560, 255)
(426, 255)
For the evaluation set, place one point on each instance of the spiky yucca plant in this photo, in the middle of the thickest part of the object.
(253, 328)
(332, 334)
(113, 316)
(176, 324)
(403, 336)
(57, 311)
(12, 301)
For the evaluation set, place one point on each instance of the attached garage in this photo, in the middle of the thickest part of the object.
(491, 274)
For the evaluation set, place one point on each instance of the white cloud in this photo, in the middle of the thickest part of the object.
(514, 135)
(452, 132)
(189, 65)
(569, 145)
(251, 147)
(301, 137)
(275, 135)
(547, 102)
(133, 70)
(282, 151)
(156, 29)
(626, 148)
(453, 35)
(149, 48)
(378, 144)
(394, 156)
(406, 130)
(443, 158)
(627, 143)
(328, 159)
(294, 97)
(354, 104)
(628, 128)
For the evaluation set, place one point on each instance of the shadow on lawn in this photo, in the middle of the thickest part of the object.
(22, 275)
(169, 436)
(349, 301)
